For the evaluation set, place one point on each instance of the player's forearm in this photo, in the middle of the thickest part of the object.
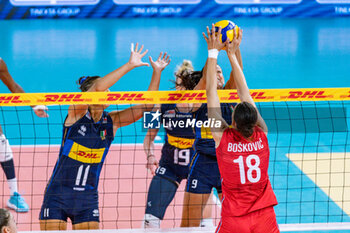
(202, 83)
(242, 87)
(16, 88)
(153, 86)
(110, 79)
(148, 145)
(211, 84)
(155, 80)
(239, 57)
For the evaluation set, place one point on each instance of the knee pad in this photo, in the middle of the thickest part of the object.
(160, 193)
(5, 149)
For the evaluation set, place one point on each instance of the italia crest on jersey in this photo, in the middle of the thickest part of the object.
(103, 134)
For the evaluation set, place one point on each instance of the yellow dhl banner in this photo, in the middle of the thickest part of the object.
(86, 155)
(157, 97)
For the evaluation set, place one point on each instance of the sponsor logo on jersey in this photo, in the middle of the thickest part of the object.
(86, 155)
(181, 143)
(82, 130)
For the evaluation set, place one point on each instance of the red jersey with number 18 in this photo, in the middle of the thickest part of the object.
(243, 166)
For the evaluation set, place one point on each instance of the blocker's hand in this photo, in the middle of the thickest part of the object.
(213, 38)
(232, 47)
(41, 111)
(137, 55)
(152, 164)
(161, 62)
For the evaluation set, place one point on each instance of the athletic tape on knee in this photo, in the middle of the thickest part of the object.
(5, 149)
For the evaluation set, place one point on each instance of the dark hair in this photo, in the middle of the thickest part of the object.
(86, 82)
(4, 218)
(245, 116)
(189, 79)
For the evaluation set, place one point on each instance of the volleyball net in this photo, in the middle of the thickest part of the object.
(309, 154)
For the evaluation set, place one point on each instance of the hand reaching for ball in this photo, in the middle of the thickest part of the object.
(213, 39)
(232, 47)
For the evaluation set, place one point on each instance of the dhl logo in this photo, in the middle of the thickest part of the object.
(62, 98)
(186, 96)
(11, 99)
(125, 97)
(201, 96)
(306, 95)
(256, 95)
(181, 143)
(86, 155)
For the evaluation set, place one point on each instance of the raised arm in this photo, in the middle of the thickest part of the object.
(242, 87)
(75, 112)
(6, 78)
(231, 82)
(214, 110)
(110, 79)
(148, 147)
(134, 113)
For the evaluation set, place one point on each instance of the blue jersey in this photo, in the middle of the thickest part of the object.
(204, 142)
(178, 136)
(84, 147)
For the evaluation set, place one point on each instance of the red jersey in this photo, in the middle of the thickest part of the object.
(243, 166)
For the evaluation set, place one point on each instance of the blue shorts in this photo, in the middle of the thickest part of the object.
(78, 206)
(173, 172)
(204, 174)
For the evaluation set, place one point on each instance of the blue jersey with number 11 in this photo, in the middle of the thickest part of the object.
(84, 147)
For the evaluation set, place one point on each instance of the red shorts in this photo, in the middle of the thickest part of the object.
(260, 221)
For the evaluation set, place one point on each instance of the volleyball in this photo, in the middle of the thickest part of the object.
(228, 29)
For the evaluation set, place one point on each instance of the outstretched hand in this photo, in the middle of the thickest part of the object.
(213, 39)
(152, 164)
(232, 47)
(161, 62)
(137, 55)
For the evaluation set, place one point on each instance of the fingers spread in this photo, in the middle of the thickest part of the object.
(205, 37)
(164, 56)
(140, 49)
(144, 53)
(150, 59)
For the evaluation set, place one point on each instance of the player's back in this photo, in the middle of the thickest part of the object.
(243, 166)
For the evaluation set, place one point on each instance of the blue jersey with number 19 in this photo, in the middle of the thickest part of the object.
(84, 147)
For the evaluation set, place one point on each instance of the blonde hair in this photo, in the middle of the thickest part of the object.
(185, 67)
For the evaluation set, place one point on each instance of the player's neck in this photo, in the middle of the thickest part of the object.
(96, 113)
